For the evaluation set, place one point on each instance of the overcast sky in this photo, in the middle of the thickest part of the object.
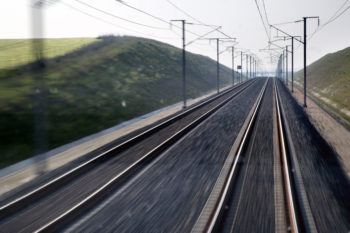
(238, 18)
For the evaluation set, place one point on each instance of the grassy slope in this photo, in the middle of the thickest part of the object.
(15, 52)
(330, 77)
(96, 87)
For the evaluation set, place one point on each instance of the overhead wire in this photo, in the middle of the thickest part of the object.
(268, 32)
(160, 19)
(195, 19)
(111, 23)
(200, 37)
(267, 19)
(118, 17)
(184, 12)
(124, 19)
(284, 23)
(223, 33)
(335, 16)
(262, 20)
(335, 13)
(175, 33)
(144, 12)
(155, 17)
(196, 45)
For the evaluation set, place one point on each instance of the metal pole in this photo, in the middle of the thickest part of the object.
(250, 67)
(282, 71)
(246, 70)
(184, 62)
(281, 68)
(241, 66)
(254, 68)
(284, 67)
(292, 64)
(40, 101)
(217, 66)
(305, 62)
(256, 71)
(278, 67)
(287, 65)
(233, 65)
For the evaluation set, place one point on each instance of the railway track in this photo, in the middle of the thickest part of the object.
(227, 209)
(168, 132)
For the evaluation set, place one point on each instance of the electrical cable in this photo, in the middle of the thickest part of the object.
(333, 18)
(339, 9)
(198, 21)
(224, 34)
(153, 16)
(175, 33)
(267, 19)
(336, 17)
(200, 37)
(262, 20)
(108, 22)
(284, 23)
(144, 12)
(184, 12)
(118, 17)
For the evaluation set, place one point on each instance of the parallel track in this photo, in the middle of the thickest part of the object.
(287, 179)
(40, 192)
(303, 221)
(117, 180)
(296, 221)
(211, 222)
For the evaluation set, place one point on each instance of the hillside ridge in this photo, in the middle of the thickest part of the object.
(106, 82)
(328, 82)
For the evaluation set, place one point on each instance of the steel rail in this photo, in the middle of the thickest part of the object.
(306, 219)
(224, 194)
(98, 195)
(287, 180)
(40, 192)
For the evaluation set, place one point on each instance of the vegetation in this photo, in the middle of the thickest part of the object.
(15, 52)
(95, 87)
(329, 82)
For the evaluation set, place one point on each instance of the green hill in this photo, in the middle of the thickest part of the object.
(95, 87)
(15, 52)
(329, 82)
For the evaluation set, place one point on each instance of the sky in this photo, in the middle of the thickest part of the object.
(239, 19)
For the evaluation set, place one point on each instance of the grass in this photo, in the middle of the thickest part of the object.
(329, 77)
(106, 82)
(17, 52)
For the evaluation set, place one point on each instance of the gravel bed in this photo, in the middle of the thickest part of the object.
(326, 184)
(56, 203)
(170, 193)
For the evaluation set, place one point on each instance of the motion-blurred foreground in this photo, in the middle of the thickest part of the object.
(103, 83)
(94, 136)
